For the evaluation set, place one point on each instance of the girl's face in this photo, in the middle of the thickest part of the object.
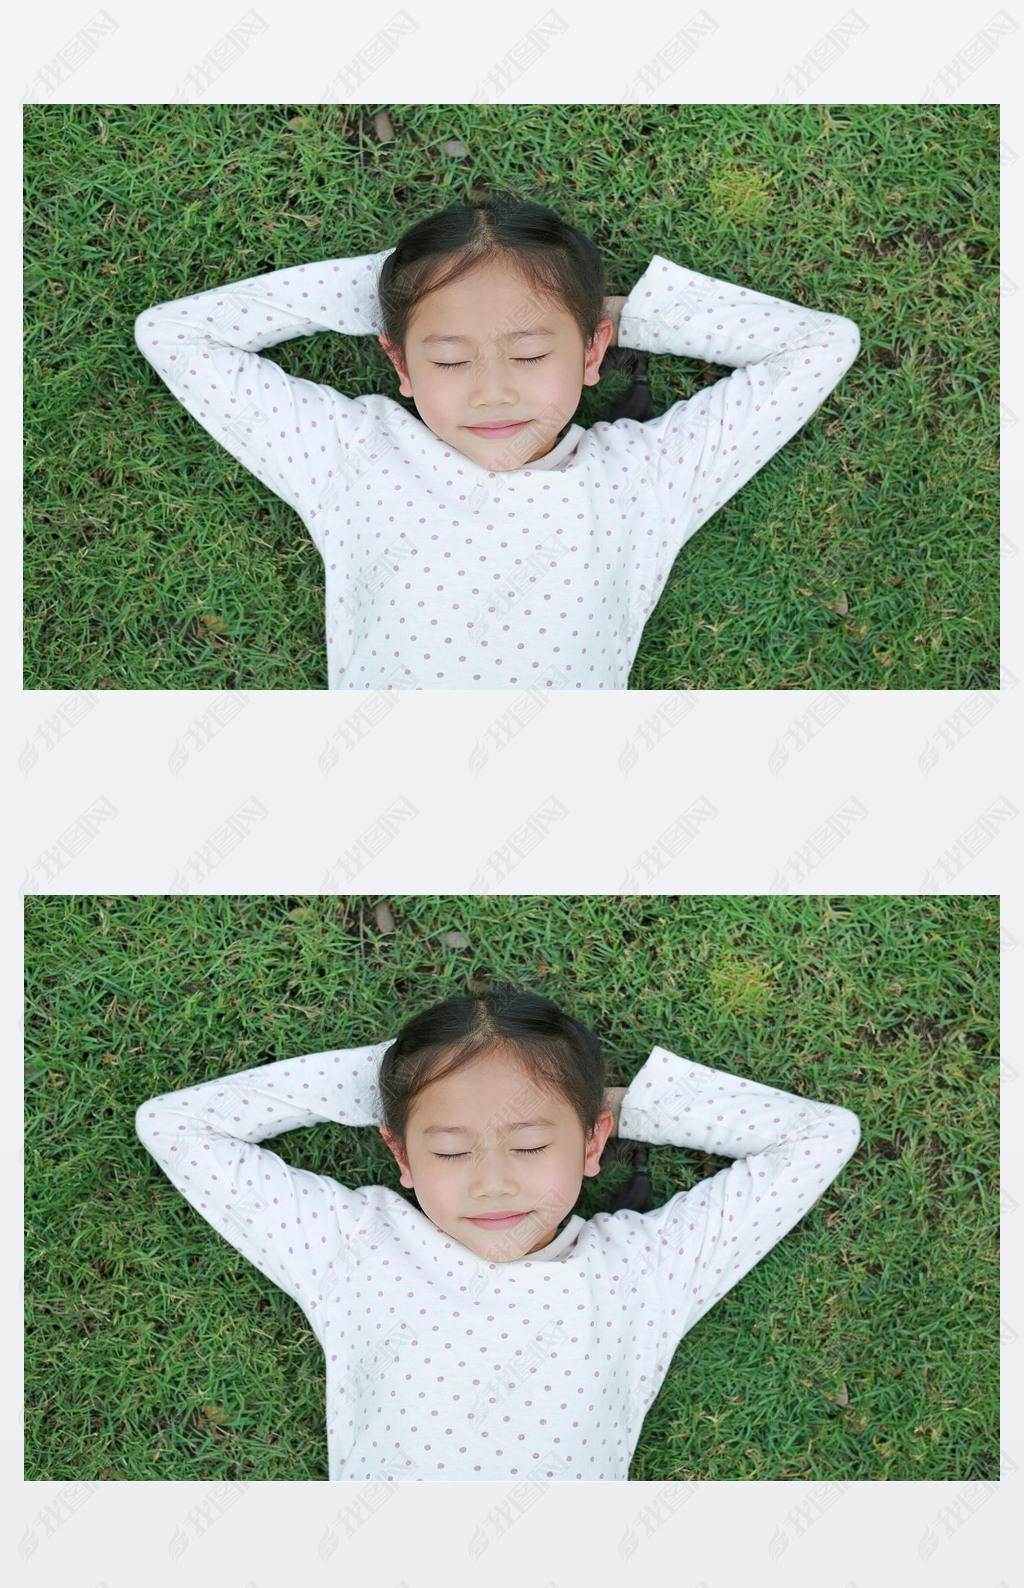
(518, 360)
(488, 1140)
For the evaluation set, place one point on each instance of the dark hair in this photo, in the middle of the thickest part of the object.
(556, 259)
(552, 1047)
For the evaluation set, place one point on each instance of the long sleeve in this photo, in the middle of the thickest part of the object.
(786, 360)
(292, 1224)
(282, 428)
(787, 1150)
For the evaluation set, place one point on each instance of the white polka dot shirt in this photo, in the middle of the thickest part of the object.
(443, 574)
(443, 1365)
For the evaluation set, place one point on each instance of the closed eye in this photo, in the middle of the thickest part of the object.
(449, 1157)
(515, 361)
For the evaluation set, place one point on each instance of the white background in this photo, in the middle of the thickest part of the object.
(866, 792)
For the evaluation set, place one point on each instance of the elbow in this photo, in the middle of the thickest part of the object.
(144, 1122)
(145, 330)
(847, 1131)
(851, 340)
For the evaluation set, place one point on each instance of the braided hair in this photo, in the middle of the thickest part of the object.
(636, 402)
(636, 1193)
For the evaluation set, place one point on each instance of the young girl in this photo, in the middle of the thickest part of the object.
(492, 542)
(485, 1330)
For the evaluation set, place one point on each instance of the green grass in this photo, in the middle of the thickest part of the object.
(862, 556)
(864, 1346)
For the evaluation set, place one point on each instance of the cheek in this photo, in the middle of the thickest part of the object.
(432, 394)
(436, 1186)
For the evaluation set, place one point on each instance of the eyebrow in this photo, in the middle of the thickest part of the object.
(460, 1130)
(540, 330)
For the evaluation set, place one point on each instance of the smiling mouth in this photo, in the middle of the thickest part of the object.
(511, 424)
(497, 1218)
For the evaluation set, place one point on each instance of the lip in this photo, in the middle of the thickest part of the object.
(498, 430)
(504, 1223)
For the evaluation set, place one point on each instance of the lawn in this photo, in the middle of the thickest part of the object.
(862, 556)
(863, 1347)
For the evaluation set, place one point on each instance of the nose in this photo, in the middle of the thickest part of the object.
(493, 1176)
(492, 384)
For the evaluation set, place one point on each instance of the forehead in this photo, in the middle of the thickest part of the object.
(490, 1086)
(488, 296)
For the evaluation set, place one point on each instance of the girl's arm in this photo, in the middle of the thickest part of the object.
(786, 360)
(788, 1149)
(279, 426)
(295, 1226)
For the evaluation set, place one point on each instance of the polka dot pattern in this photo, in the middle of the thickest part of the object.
(443, 574)
(440, 1364)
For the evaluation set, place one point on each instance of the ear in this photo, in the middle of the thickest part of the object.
(406, 1176)
(596, 351)
(396, 358)
(595, 1144)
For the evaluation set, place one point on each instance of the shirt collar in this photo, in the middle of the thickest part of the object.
(562, 449)
(557, 1245)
